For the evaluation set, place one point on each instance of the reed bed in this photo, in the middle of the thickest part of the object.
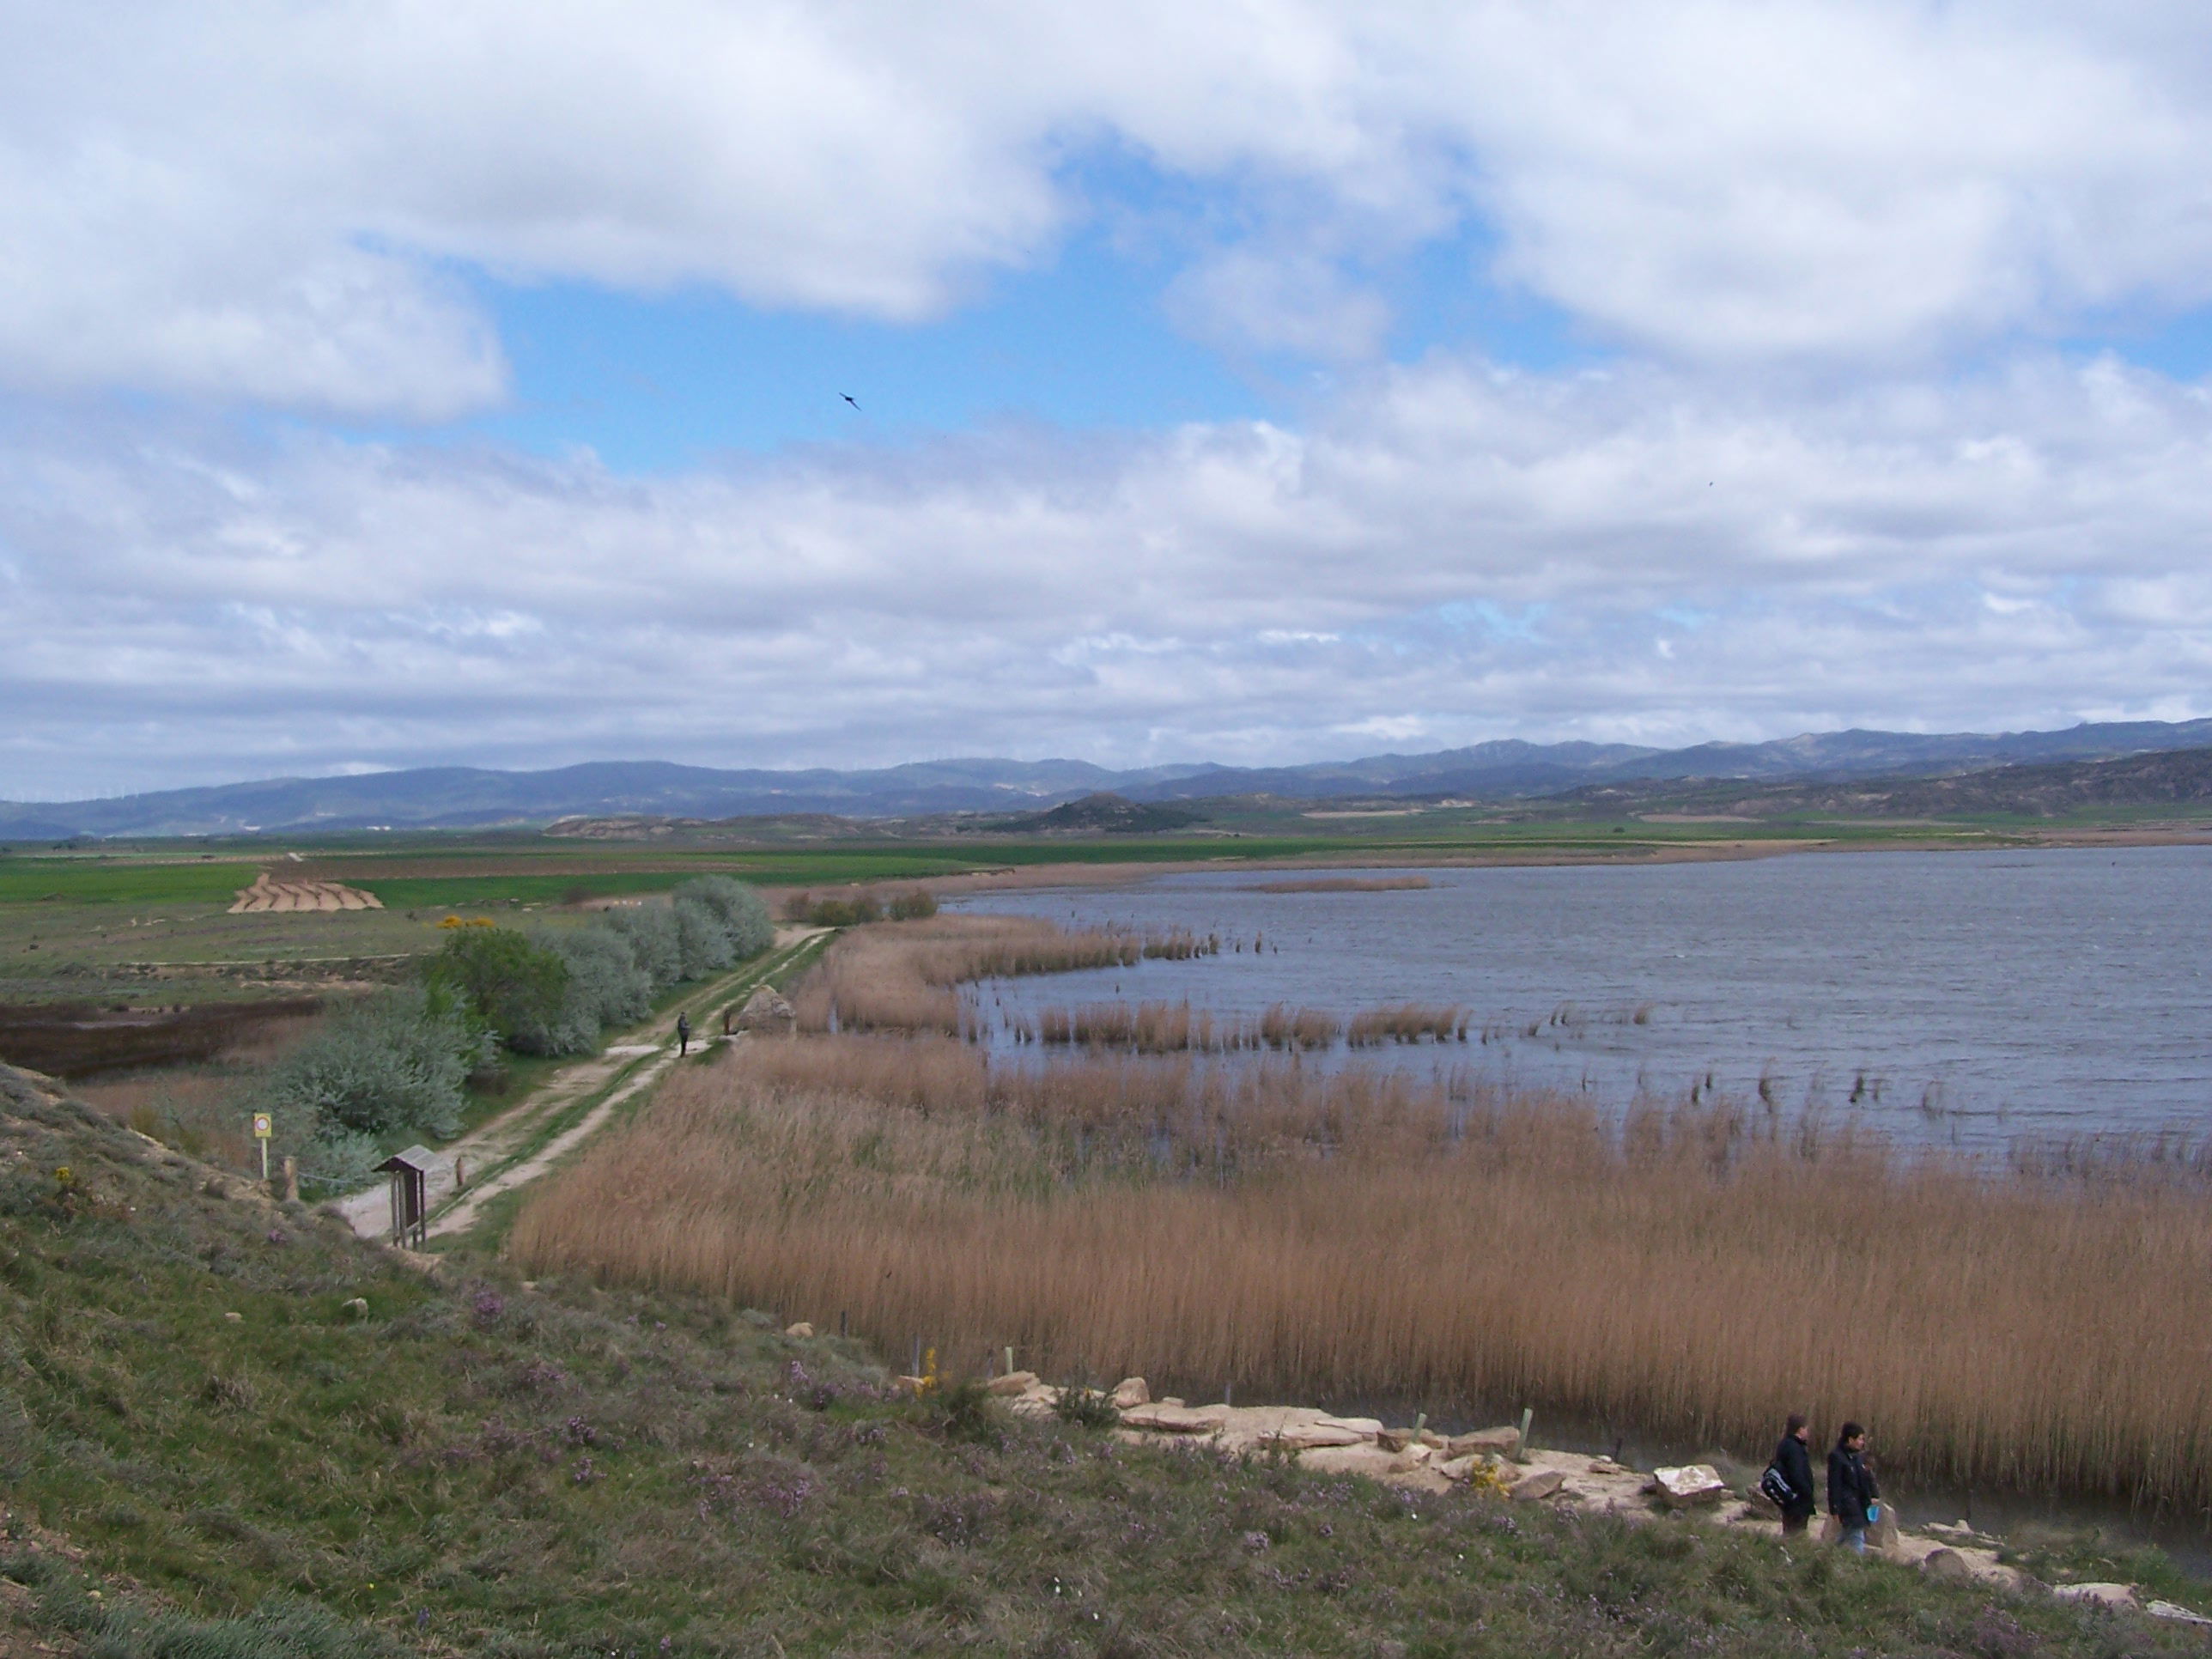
(1689, 1273)
(1143, 1028)
(905, 977)
(1407, 1022)
(1165, 1028)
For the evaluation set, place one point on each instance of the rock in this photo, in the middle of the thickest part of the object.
(1370, 1460)
(2180, 1615)
(1311, 1437)
(1395, 1440)
(358, 1307)
(766, 1011)
(2117, 1597)
(1167, 1418)
(1013, 1382)
(1538, 1483)
(1130, 1391)
(1882, 1535)
(1172, 1400)
(1689, 1485)
(1409, 1457)
(1458, 1468)
(802, 1328)
(1606, 1466)
(1505, 1442)
(234, 1318)
(1947, 1565)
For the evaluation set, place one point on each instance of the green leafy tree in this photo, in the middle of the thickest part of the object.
(511, 985)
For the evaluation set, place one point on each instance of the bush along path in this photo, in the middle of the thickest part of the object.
(574, 1102)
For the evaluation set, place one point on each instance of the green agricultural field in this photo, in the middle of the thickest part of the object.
(156, 882)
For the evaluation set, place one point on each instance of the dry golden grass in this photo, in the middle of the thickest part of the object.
(1692, 1274)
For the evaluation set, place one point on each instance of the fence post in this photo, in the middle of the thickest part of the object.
(291, 1180)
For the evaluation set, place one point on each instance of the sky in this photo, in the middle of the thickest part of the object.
(396, 384)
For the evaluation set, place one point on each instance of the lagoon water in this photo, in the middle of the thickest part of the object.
(1965, 998)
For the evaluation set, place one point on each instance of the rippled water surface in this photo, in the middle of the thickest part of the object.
(1960, 997)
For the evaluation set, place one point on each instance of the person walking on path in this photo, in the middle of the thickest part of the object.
(1851, 1491)
(1794, 1463)
(682, 1035)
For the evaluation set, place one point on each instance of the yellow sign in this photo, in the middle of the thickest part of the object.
(261, 1129)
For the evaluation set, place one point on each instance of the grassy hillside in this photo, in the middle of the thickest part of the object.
(229, 1429)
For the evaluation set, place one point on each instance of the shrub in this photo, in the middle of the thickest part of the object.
(510, 984)
(1087, 1408)
(652, 935)
(743, 912)
(606, 987)
(700, 937)
(395, 1061)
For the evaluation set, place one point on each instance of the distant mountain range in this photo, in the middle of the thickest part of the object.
(2180, 777)
(456, 797)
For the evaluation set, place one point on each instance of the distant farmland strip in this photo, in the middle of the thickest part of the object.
(89, 881)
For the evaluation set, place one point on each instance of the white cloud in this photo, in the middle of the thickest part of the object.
(1452, 552)
(256, 201)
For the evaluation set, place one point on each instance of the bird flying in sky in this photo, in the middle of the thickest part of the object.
(850, 399)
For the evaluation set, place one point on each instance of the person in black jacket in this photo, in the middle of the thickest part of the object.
(1851, 1491)
(1796, 1465)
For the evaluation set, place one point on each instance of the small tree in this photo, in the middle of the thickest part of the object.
(510, 984)
(605, 987)
(394, 1063)
(650, 933)
(743, 912)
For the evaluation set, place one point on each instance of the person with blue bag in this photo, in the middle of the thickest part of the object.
(1853, 1498)
(1788, 1482)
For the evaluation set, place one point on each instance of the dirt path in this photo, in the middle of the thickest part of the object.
(528, 1138)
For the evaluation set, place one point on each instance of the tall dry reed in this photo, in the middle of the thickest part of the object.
(1689, 1273)
(904, 978)
(1406, 1022)
(1165, 1028)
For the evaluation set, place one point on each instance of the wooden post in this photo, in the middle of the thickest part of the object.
(460, 1172)
(291, 1179)
(1521, 1452)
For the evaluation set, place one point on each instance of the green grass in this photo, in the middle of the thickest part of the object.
(139, 881)
(473, 1468)
(425, 892)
